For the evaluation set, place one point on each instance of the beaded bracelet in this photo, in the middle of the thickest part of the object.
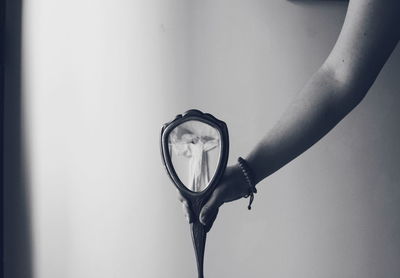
(248, 174)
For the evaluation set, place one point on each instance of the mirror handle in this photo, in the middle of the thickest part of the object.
(199, 236)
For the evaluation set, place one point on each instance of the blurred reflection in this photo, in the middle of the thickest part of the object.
(194, 148)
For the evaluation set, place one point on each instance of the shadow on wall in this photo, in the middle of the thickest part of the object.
(17, 231)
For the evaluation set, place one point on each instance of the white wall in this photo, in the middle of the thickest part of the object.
(101, 77)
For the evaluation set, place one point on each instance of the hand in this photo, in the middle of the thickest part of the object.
(232, 186)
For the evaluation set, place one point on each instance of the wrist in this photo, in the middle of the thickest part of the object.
(249, 178)
(260, 168)
(239, 180)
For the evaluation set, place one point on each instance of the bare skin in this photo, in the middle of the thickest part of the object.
(370, 33)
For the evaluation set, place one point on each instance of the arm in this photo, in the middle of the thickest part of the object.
(370, 33)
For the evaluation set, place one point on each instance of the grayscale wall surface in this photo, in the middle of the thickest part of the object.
(101, 77)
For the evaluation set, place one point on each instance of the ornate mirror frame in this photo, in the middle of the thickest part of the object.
(196, 200)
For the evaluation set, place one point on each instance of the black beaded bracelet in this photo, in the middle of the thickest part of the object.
(248, 174)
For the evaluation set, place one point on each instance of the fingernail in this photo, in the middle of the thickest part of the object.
(203, 220)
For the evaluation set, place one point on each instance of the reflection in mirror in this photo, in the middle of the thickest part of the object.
(194, 148)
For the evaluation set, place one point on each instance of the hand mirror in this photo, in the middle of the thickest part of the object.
(194, 148)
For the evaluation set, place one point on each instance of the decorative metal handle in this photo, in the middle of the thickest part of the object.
(199, 236)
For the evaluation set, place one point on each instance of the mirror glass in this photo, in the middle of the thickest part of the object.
(194, 148)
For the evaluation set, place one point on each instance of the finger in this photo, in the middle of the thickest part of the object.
(187, 212)
(180, 196)
(210, 208)
(211, 222)
(185, 206)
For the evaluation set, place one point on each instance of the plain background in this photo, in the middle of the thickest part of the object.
(100, 78)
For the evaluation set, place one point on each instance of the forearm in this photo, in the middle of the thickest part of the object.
(368, 37)
(321, 104)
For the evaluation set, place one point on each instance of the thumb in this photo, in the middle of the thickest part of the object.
(210, 209)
